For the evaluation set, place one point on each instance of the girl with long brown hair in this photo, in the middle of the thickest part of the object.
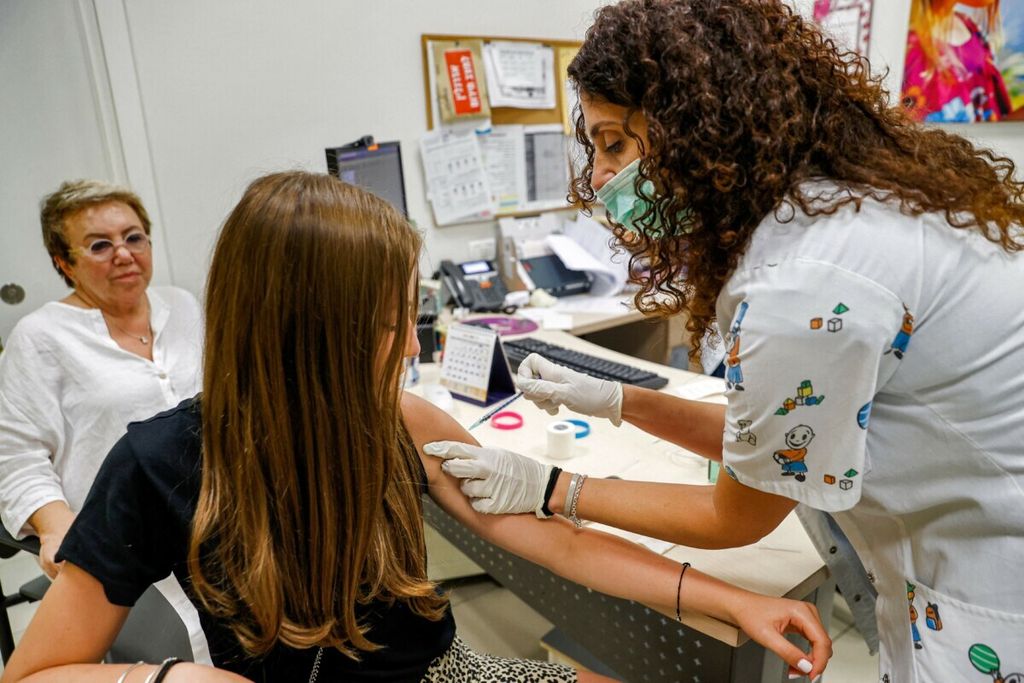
(866, 274)
(286, 497)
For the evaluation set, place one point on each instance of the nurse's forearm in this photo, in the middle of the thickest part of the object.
(694, 425)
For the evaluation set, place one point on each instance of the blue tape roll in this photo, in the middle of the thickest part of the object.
(583, 428)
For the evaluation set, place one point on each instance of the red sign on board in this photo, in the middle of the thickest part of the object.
(462, 79)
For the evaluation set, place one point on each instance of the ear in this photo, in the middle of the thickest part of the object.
(65, 267)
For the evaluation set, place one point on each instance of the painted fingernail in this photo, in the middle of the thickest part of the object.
(792, 676)
(804, 666)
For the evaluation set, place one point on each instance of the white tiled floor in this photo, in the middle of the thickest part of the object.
(491, 619)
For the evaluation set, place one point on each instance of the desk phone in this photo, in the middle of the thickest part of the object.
(475, 285)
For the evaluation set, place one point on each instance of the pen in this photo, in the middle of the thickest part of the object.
(490, 413)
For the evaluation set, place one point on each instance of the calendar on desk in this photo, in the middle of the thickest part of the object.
(474, 367)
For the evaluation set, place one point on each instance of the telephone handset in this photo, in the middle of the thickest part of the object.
(475, 285)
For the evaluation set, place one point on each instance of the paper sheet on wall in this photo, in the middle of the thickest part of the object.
(547, 167)
(503, 151)
(570, 99)
(456, 181)
(520, 75)
(461, 91)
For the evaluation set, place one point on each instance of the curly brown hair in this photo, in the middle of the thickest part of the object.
(744, 101)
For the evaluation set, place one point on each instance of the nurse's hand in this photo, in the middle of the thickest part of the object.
(496, 481)
(550, 385)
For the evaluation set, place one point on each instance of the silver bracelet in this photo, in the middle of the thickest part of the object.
(124, 676)
(569, 493)
(575, 499)
(159, 667)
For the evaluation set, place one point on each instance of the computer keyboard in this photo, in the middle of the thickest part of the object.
(518, 349)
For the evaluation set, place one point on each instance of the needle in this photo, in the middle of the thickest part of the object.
(493, 411)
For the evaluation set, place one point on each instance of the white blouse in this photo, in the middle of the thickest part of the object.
(67, 392)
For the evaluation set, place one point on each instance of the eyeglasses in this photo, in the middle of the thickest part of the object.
(102, 251)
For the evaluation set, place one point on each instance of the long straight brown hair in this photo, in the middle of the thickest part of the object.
(310, 500)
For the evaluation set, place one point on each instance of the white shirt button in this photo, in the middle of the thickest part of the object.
(162, 375)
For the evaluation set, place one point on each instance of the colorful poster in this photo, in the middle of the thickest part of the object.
(965, 61)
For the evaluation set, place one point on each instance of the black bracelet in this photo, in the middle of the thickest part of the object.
(161, 673)
(548, 490)
(679, 589)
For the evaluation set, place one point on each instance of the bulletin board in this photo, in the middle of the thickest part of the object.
(500, 136)
(501, 115)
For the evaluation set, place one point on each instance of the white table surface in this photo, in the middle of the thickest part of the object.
(784, 563)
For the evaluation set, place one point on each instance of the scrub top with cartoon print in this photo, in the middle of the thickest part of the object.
(875, 370)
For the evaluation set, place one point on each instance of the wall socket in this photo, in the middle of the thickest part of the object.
(482, 250)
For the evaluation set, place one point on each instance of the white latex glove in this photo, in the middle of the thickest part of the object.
(497, 481)
(550, 385)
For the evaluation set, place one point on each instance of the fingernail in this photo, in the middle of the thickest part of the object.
(804, 666)
(816, 679)
(792, 676)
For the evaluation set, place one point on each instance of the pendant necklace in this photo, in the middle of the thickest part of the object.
(143, 339)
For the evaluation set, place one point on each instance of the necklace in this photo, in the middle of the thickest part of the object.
(144, 339)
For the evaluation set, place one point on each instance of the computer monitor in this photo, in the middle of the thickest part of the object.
(376, 167)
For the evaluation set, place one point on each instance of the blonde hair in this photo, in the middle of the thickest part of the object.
(71, 197)
(310, 497)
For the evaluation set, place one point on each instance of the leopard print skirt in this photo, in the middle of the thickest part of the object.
(461, 665)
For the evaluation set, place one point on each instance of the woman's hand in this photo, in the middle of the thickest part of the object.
(550, 386)
(767, 620)
(497, 481)
(51, 523)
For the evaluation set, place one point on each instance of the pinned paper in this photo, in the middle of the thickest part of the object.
(521, 74)
(460, 83)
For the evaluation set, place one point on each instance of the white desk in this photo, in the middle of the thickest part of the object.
(784, 563)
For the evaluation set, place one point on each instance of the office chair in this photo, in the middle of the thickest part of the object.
(30, 592)
(152, 632)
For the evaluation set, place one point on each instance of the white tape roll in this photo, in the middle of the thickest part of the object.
(561, 438)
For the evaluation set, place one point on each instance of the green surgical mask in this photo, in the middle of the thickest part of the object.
(620, 198)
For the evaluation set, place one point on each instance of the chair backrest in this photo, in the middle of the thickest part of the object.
(152, 632)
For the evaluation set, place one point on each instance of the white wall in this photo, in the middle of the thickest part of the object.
(232, 88)
(208, 95)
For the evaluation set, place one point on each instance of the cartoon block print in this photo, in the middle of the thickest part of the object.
(804, 397)
(744, 433)
(916, 634)
(792, 457)
(733, 371)
(850, 473)
(931, 617)
(830, 479)
(845, 484)
(835, 324)
(902, 340)
(840, 308)
(984, 659)
(816, 323)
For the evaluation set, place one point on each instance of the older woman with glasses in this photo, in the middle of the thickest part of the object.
(77, 371)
